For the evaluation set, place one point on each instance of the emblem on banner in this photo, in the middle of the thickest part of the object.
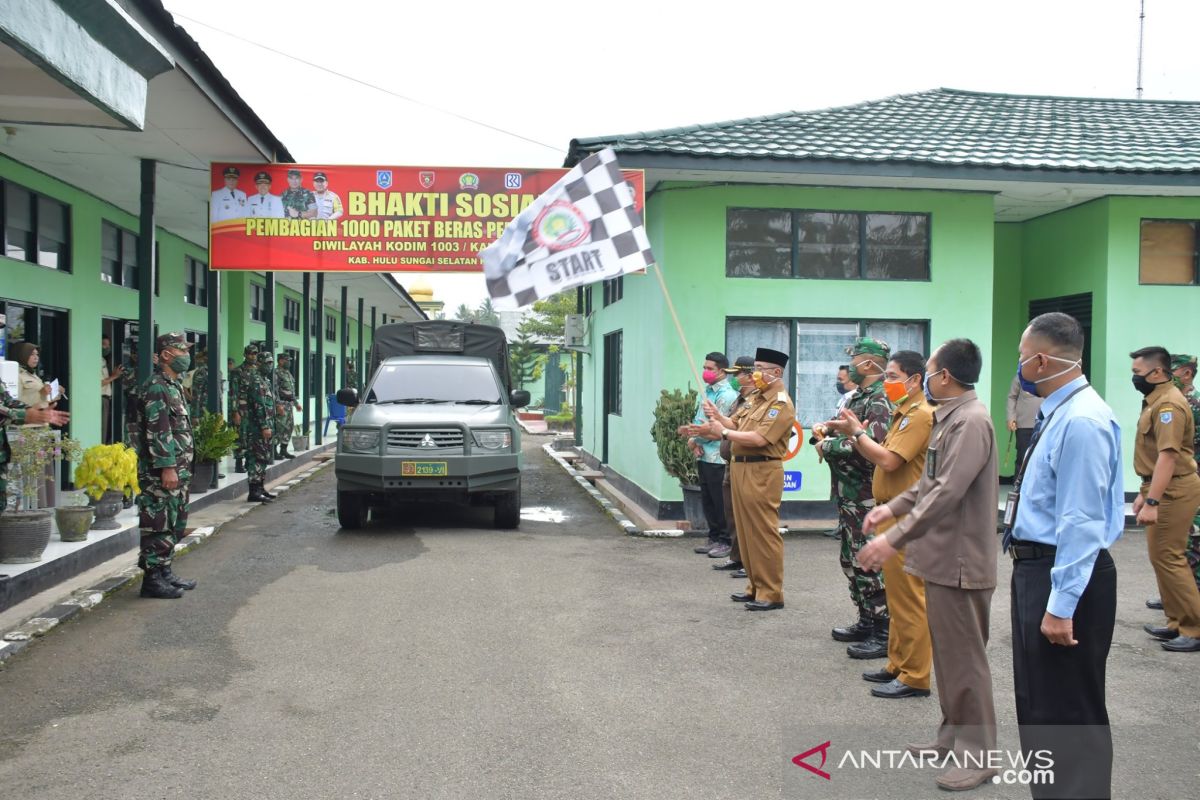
(561, 225)
(512, 180)
(468, 180)
(383, 178)
(426, 179)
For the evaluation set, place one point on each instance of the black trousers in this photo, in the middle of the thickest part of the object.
(1060, 690)
(1024, 437)
(712, 476)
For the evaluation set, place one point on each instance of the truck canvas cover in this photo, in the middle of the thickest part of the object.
(442, 337)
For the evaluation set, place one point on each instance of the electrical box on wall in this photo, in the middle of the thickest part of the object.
(575, 332)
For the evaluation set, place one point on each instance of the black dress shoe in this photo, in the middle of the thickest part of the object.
(880, 676)
(738, 573)
(1163, 632)
(762, 605)
(1182, 644)
(741, 597)
(1155, 603)
(727, 564)
(898, 689)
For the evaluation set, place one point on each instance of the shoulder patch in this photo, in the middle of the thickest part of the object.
(1165, 417)
(904, 423)
(773, 413)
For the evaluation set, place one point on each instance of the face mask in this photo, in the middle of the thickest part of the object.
(1143, 384)
(1031, 386)
(895, 390)
(737, 387)
(933, 401)
(711, 376)
(856, 375)
(841, 387)
(265, 368)
(106, 351)
(760, 382)
(181, 364)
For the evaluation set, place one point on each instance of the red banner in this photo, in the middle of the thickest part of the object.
(283, 217)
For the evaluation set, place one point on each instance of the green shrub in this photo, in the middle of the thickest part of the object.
(673, 410)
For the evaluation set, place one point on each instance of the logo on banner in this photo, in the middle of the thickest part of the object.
(560, 226)
(792, 481)
(426, 179)
(512, 180)
(468, 180)
(383, 178)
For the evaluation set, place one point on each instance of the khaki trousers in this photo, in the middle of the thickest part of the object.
(958, 630)
(757, 493)
(735, 550)
(910, 655)
(1167, 542)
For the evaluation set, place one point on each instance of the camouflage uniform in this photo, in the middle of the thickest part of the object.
(164, 442)
(12, 412)
(300, 200)
(351, 376)
(853, 473)
(285, 402)
(239, 378)
(199, 391)
(1193, 399)
(258, 401)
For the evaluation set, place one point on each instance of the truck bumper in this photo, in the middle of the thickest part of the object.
(383, 475)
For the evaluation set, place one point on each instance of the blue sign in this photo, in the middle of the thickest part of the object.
(791, 481)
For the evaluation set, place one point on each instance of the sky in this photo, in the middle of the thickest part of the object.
(492, 84)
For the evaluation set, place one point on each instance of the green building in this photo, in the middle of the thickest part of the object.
(111, 116)
(915, 219)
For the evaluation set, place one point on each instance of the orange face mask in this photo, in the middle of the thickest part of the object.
(895, 390)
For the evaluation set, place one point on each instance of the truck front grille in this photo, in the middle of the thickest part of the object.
(417, 439)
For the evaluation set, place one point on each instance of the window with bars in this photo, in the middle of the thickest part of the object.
(1169, 254)
(118, 256)
(614, 290)
(258, 302)
(330, 328)
(613, 357)
(291, 315)
(36, 228)
(195, 282)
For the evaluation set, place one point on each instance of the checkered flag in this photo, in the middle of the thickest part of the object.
(584, 229)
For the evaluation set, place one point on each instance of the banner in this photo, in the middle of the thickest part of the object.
(284, 217)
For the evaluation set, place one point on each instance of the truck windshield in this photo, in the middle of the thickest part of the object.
(434, 383)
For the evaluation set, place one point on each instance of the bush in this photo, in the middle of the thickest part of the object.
(673, 410)
(212, 438)
(105, 467)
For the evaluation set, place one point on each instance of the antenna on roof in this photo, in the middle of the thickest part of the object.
(1141, 37)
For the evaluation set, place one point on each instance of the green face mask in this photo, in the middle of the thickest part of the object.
(181, 364)
(265, 367)
(737, 387)
(857, 376)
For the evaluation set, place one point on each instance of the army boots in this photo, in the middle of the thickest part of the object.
(874, 646)
(858, 632)
(239, 464)
(157, 586)
(179, 583)
(259, 495)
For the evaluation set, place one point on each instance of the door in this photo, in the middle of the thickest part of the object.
(612, 386)
(1078, 306)
(552, 403)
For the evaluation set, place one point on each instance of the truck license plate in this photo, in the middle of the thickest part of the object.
(423, 469)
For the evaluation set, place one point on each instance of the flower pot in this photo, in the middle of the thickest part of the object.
(107, 508)
(73, 522)
(72, 498)
(299, 444)
(202, 478)
(693, 508)
(24, 535)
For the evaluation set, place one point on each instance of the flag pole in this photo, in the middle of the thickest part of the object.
(687, 351)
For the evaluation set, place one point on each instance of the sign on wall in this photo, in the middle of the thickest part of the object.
(284, 217)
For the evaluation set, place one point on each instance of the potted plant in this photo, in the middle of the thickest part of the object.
(25, 532)
(212, 440)
(674, 409)
(72, 514)
(300, 440)
(108, 473)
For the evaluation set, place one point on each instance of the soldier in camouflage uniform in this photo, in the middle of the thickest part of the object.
(351, 375)
(199, 402)
(853, 474)
(298, 202)
(238, 376)
(14, 412)
(165, 458)
(258, 401)
(285, 402)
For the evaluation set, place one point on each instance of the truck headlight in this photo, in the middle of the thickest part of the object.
(360, 441)
(493, 440)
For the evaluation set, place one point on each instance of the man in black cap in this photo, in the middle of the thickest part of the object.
(329, 205)
(298, 202)
(228, 202)
(263, 203)
(759, 435)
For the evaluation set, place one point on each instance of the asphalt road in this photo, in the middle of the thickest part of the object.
(429, 656)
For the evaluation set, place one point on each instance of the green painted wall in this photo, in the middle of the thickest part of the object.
(687, 231)
(1008, 321)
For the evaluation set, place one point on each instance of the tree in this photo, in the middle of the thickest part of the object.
(484, 314)
(523, 357)
(548, 321)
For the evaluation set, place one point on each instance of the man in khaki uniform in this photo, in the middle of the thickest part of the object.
(898, 463)
(759, 436)
(950, 532)
(1163, 457)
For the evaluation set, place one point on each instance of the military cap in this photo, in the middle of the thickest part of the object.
(769, 356)
(250, 349)
(284, 357)
(320, 176)
(1182, 360)
(259, 177)
(266, 355)
(232, 172)
(294, 173)
(175, 340)
(741, 364)
(866, 346)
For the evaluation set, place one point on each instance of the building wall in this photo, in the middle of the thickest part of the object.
(687, 230)
(1008, 321)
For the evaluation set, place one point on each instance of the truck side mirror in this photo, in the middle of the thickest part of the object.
(518, 398)
(348, 397)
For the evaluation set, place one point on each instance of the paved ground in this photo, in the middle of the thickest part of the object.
(429, 656)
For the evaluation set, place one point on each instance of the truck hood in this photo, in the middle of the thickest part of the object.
(378, 415)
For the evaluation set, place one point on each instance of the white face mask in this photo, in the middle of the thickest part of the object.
(1070, 366)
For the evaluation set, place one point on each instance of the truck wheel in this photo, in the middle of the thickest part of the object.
(351, 511)
(508, 510)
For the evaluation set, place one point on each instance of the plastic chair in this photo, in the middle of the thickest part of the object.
(337, 413)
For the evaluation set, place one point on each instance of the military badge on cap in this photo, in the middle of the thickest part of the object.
(320, 176)
(262, 177)
(232, 172)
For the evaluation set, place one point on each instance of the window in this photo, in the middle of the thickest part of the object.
(331, 373)
(844, 245)
(612, 373)
(118, 256)
(330, 328)
(195, 277)
(313, 378)
(37, 229)
(819, 349)
(258, 303)
(294, 366)
(291, 314)
(587, 300)
(614, 290)
(314, 321)
(198, 341)
(1168, 253)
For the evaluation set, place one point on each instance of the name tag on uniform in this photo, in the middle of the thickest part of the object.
(1010, 509)
(931, 462)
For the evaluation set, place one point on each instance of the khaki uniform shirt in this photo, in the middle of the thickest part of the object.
(771, 414)
(31, 389)
(908, 437)
(1166, 424)
(950, 527)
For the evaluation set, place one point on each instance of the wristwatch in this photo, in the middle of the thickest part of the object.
(725, 433)
(859, 432)
(1150, 501)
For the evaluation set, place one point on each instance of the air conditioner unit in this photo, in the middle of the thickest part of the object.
(575, 332)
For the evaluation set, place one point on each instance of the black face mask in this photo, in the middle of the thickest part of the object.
(1143, 384)
(841, 388)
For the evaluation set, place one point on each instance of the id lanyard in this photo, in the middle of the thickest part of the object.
(1014, 497)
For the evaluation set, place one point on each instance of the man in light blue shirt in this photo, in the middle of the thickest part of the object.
(1070, 510)
(708, 456)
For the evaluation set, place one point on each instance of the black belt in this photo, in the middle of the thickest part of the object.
(1023, 551)
(752, 459)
